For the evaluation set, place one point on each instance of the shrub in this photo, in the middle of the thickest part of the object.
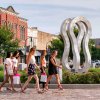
(1, 76)
(94, 70)
(1, 67)
(91, 77)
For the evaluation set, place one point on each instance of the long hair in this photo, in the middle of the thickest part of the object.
(42, 55)
(8, 54)
(43, 52)
(30, 54)
(54, 52)
(15, 53)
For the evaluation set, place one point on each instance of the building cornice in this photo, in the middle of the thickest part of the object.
(5, 10)
(23, 19)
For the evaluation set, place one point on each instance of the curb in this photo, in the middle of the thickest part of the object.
(65, 86)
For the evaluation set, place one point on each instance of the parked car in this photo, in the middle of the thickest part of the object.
(95, 63)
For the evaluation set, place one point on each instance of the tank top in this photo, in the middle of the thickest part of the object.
(44, 62)
(32, 60)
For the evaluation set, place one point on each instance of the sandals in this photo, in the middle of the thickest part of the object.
(40, 92)
(60, 87)
(9, 89)
(22, 91)
(13, 90)
(46, 87)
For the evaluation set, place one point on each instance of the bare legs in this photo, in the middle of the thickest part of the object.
(48, 80)
(29, 79)
(57, 80)
(7, 77)
(26, 83)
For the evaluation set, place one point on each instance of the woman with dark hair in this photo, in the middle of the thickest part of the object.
(31, 63)
(52, 70)
(15, 61)
(43, 66)
(8, 71)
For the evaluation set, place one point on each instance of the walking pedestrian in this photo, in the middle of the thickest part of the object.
(43, 66)
(52, 70)
(15, 61)
(8, 67)
(31, 64)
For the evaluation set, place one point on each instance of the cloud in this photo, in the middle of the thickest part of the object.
(48, 15)
(55, 2)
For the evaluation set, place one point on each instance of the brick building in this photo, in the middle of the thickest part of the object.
(9, 17)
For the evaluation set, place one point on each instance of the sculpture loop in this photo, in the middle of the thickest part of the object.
(68, 36)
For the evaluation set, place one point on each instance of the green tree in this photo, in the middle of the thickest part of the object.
(57, 44)
(7, 41)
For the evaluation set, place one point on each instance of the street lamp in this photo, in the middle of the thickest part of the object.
(26, 46)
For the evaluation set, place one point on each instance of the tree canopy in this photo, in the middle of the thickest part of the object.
(7, 41)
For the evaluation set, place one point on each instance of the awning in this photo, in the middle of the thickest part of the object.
(22, 52)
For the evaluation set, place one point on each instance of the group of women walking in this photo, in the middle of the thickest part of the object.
(11, 64)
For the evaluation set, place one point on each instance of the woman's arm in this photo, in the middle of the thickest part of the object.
(37, 67)
(6, 69)
(52, 61)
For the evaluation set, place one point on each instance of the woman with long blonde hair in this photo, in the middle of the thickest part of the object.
(31, 63)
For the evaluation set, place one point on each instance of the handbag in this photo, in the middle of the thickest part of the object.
(43, 77)
(16, 79)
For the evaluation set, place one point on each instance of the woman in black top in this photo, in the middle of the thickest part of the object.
(52, 70)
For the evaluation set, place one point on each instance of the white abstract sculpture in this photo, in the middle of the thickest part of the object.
(68, 35)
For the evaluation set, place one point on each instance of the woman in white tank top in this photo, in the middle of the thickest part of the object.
(31, 70)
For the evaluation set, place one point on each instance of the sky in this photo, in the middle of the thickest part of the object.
(48, 15)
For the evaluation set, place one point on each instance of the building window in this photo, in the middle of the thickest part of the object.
(15, 28)
(10, 25)
(34, 42)
(22, 33)
(3, 22)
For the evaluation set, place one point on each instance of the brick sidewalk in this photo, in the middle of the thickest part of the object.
(53, 94)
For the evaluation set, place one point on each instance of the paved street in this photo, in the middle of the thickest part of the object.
(53, 94)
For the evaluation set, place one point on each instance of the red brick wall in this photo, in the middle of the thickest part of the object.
(15, 20)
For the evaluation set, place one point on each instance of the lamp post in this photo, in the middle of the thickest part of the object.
(26, 46)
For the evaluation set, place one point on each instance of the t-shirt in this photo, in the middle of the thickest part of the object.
(15, 62)
(8, 64)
